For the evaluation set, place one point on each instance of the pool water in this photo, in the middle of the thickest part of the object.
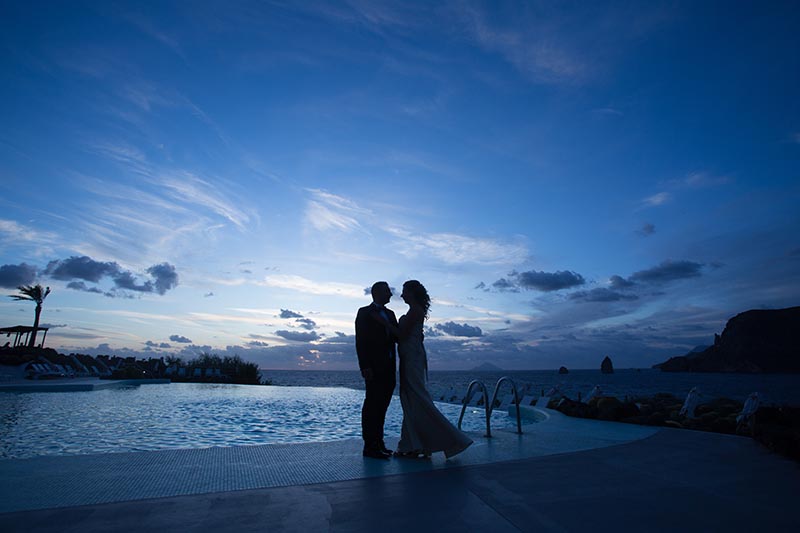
(193, 415)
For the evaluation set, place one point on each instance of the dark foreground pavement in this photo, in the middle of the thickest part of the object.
(672, 481)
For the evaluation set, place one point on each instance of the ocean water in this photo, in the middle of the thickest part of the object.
(451, 385)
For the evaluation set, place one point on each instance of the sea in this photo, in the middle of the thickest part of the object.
(451, 386)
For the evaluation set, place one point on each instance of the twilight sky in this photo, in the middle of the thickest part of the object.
(569, 179)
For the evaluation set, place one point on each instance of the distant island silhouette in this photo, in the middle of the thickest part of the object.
(486, 367)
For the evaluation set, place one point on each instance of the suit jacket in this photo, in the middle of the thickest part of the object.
(375, 345)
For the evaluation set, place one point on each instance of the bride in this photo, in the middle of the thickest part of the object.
(425, 429)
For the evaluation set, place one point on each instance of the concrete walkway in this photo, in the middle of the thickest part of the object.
(604, 477)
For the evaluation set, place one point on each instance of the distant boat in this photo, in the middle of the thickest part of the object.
(563, 370)
(486, 367)
(606, 367)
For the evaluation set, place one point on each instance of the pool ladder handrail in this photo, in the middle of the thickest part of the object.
(468, 397)
(489, 406)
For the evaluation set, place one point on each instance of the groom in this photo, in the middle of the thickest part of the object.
(375, 347)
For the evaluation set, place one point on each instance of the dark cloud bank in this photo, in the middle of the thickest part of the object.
(78, 270)
(665, 272)
(300, 336)
(12, 276)
(534, 280)
(300, 320)
(457, 330)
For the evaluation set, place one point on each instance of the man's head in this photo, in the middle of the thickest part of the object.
(381, 293)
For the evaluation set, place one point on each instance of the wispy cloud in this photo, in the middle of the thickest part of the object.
(122, 153)
(454, 249)
(540, 52)
(307, 286)
(12, 232)
(326, 211)
(148, 28)
(703, 179)
(212, 318)
(657, 199)
(146, 96)
(608, 111)
(374, 16)
(166, 210)
(129, 223)
(678, 186)
(187, 187)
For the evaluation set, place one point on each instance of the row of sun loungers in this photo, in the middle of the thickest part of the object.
(692, 399)
(45, 370)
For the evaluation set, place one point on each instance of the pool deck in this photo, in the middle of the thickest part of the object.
(563, 474)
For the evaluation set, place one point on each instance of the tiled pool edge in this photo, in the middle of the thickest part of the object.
(51, 482)
(76, 385)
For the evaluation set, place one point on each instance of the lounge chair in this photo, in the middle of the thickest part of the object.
(41, 371)
(555, 392)
(542, 401)
(747, 418)
(596, 392)
(506, 402)
(449, 396)
(690, 404)
(527, 400)
(475, 399)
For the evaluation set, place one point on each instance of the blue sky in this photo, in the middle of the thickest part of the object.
(570, 180)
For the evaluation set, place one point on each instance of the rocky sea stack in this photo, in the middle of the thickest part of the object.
(606, 367)
(756, 341)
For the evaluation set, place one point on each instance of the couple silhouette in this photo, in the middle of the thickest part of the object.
(379, 339)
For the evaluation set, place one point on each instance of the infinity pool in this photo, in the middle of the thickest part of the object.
(192, 415)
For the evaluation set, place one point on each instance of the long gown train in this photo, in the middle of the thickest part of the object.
(425, 429)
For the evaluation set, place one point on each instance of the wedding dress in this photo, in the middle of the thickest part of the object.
(425, 429)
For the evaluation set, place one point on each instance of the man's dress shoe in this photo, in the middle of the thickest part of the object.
(375, 454)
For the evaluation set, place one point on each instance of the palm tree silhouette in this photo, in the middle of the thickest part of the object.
(33, 293)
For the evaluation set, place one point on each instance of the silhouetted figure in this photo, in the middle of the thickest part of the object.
(377, 355)
(425, 428)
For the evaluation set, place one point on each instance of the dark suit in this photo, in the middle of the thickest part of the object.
(375, 347)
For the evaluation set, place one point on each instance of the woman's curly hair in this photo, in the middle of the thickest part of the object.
(420, 294)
